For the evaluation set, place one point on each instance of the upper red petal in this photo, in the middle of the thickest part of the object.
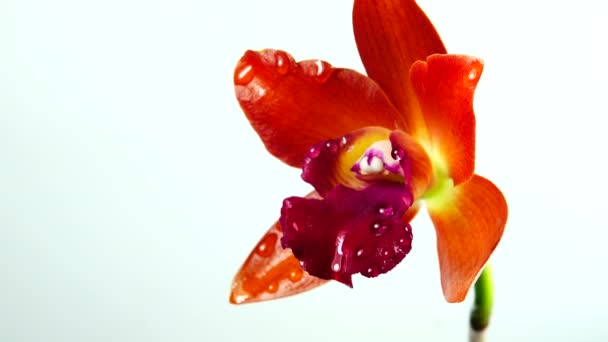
(445, 85)
(294, 105)
(469, 220)
(391, 35)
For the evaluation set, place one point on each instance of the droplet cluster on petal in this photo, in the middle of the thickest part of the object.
(349, 231)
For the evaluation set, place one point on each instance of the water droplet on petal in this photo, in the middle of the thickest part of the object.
(314, 152)
(266, 246)
(472, 74)
(296, 274)
(244, 73)
(331, 146)
(398, 153)
(370, 272)
(336, 263)
(324, 71)
(408, 229)
(387, 253)
(272, 287)
(379, 228)
(282, 62)
(359, 252)
(386, 211)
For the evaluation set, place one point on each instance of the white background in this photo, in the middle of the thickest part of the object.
(132, 186)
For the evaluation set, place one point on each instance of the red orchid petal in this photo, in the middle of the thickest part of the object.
(420, 168)
(294, 105)
(271, 272)
(469, 220)
(391, 35)
(349, 231)
(445, 85)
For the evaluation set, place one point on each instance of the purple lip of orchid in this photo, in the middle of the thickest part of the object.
(349, 230)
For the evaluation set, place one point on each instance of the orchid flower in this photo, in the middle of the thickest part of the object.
(375, 148)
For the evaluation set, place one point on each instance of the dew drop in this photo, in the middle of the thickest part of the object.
(359, 252)
(398, 153)
(408, 230)
(314, 152)
(386, 211)
(296, 274)
(282, 62)
(244, 74)
(472, 74)
(272, 287)
(324, 71)
(387, 253)
(379, 228)
(336, 263)
(331, 146)
(266, 246)
(371, 272)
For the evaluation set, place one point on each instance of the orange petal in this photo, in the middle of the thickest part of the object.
(469, 220)
(411, 212)
(391, 35)
(270, 272)
(445, 85)
(294, 105)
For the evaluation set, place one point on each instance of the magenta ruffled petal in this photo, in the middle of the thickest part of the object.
(318, 168)
(349, 231)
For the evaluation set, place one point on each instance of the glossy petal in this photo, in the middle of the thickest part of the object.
(391, 35)
(295, 105)
(349, 231)
(469, 220)
(445, 85)
(270, 272)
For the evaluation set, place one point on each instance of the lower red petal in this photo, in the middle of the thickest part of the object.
(469, 219)
(271, 272)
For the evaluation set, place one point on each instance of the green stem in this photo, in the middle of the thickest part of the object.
(484, 298)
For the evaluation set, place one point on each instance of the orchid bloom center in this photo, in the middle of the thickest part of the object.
(357, 226)
(378, 159)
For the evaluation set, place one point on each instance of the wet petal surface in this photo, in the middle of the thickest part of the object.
(349, 231)
(295, 105)
(271, 272)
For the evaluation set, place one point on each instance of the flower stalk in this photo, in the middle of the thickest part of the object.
(482, 307)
